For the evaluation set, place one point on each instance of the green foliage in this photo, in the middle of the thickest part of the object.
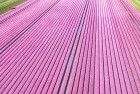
(6, 5)
(1, 1)
(136, 4)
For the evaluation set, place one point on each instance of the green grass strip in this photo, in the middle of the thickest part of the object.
(1, 1)
(8, 4)
(136, 3)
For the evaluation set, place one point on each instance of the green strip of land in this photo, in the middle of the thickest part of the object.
(1, 1)
(6, 5)
(136, 4)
